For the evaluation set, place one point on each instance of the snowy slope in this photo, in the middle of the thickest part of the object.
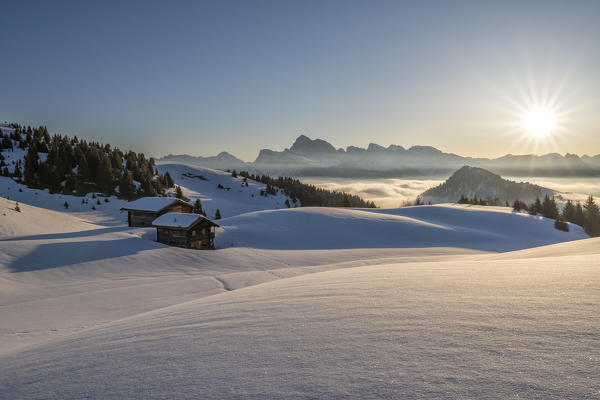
(33, 220)
(237, 200)
(473, 227)
(309, 303)
(486, 329)
(105, 213)
(54, 281)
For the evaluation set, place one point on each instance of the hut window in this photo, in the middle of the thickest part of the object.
(194, 232)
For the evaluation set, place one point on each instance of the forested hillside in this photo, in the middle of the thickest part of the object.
(309, 195)
(472, 182)
(71, 166)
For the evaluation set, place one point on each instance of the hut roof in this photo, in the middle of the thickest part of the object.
(151, 204)
(180, 220)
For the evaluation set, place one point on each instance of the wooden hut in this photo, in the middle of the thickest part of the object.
(142, 212)
(192, 231)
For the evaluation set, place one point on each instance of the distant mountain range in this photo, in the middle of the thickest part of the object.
(317, 157)
(477, 182)
(223, 160)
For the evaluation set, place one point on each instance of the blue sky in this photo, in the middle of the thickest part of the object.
(201, 77)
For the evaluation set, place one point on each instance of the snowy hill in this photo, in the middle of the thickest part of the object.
(33, 220)
(477, 182)
(481, 228)
(233, 199)
(199, 183)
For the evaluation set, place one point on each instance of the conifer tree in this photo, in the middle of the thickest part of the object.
(31, 165)
(168, 180)
(116, 160)
(126, 186)
(197, 208)
(83, 171)
(549, 208)
(592, 217)
(93, 161)
(517, 205)
(569, 211)
(346, 201)
(579, 215)
(218, 214)
(105, 178)
(537, 207)
(147, 187)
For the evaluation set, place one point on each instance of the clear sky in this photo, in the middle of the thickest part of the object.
(201, 77)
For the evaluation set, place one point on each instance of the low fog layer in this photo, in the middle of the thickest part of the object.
(387, 193)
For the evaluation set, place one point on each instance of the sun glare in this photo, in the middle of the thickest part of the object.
(536, 117)
(539, 122)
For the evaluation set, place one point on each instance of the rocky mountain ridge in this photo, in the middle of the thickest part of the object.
(317, 157)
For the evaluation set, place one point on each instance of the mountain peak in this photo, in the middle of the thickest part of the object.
(375, 147)
(425, 150)
(225, 156)
(483, 184)
(305, 145)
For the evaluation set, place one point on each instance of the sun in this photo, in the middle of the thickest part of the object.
(539, 122)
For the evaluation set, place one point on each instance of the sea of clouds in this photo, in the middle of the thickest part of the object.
(392, 193)
(386, 193)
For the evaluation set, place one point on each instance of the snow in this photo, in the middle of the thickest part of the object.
(33, 220)
(105, 213)
(177, 220)
(431, 302)
(235, 201)
(473, 227)
(239, 199)
(152, 204)
(451, 329)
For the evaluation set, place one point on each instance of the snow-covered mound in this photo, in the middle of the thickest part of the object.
(233, 198)
(485, 185)
(473, 227)
(32, 220)
(515, 328)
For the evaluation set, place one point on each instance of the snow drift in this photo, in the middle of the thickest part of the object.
(473, 227)
(454, 329)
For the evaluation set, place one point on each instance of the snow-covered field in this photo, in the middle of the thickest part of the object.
(423, 302)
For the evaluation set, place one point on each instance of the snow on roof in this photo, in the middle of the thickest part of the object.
(179, 220)
(150, 203)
